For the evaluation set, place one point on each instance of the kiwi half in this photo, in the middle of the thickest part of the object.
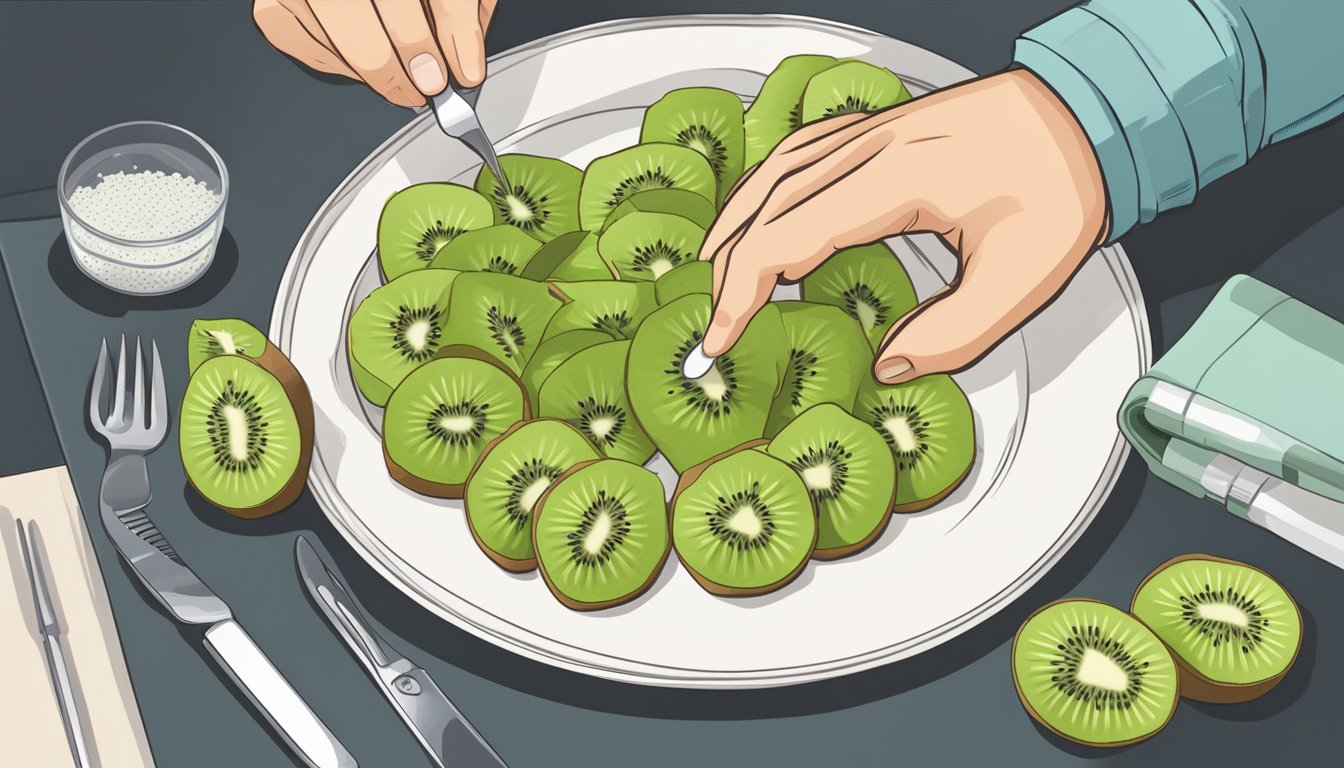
(1094, 674)
(646, 246)
(500, 314)
(848, 470)
(417, 222)
(588, 391)
(930, 430)
(849, 87)
(397, 328)
(499, 248)
(868, 282)
(707, 120)
(776, 111)
(223, 336)
(600, 534)
(442, 415)
(692, 419)
(609, 180)
(542, 199)
(553, 351)
(743, 523)
(245, 434)
(510, 477)
(1234, 631)
(615, 308)
(695, 277)
(678, 202)
(828, 358)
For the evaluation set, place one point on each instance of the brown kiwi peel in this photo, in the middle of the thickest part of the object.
(923, 504)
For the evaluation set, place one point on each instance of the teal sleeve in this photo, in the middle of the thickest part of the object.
(1175, 93)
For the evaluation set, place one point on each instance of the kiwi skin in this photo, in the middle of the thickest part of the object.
(566, 600)
(453, 490)
(1197, 687)
(1012, 654)
(923, 504)
(713, 587)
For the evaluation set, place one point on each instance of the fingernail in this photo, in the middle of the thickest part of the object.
(889, 370)
(427, 74)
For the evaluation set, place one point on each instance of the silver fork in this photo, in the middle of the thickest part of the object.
(455, 111)
(135, 427)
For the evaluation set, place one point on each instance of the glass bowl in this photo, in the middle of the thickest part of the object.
(143, 206)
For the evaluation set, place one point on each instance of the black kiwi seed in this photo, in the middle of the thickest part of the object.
(849, 106)
(433, 240)
(802, 365)
(833, 455)
(703, 140)
(433, 423)
(1220, 631)
(590, 411)
(500, 265)
(694, 393)
(407, 317)
(620, 528)
(654, 178)
(1065, 676)
(658, 251)
(919, 428)
(217, 427)
(535, 204)
(506, 331)
(861, 295)
(529, 473)
(613, 323)
(727, 508)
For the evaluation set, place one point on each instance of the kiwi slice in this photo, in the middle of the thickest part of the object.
(396, 328)
(776, 112)
(646, 246)
(500, 314)
(612, 178)
(223, 336)
(1233, 629)
(542, 199)
(499, 248)
(441, 416)
(600, 534)
(570, 256)
(508, 480)
(868, 282)
(417, 222)
(1094, 674)
(553, 351)
(849, 87)
(615, 308)
(743, 523)
(695, 277)
(588, 391)
(828, 358)
(678, 202)
(692, 419)
(848, 470)
(246, 435)
(707, 120)
(930, 430)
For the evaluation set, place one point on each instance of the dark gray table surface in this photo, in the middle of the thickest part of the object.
(288, 138)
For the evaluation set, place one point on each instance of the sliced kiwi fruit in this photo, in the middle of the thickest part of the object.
(571, 256)
(828, 358)
(707, 120)
(542, 199)
(776, 111)
(397, 328)
(646, 246)
(1233, 630)
(695, 277)
(613, 307)
(692, 419)
(443, 415)
(848, 470)
(223, 336)
(510, 477)
(499, 248)
(553, 351)
(850, 87)
(500, 314)
(1094, 674)
(743, 523)
(930, 430)
(600, 534)
(246, 434)
(417, 222)
(588, 391)
(612, 178)
(868, 282)
(678, 202)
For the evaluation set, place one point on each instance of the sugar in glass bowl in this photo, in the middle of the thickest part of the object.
(143, 206)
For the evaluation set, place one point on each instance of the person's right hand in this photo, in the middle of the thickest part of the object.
(403, 49)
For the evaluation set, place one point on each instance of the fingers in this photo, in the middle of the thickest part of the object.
(355, 30)
(745, 289)
(486, 14)
(298, 37)
(457, 24)
(408, 29)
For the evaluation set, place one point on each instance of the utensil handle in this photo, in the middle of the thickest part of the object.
(286, 711)
(65, 694)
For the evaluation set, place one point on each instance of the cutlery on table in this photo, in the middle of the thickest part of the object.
(436, 722)
(455, 111)
(50, 628)
(135, 427)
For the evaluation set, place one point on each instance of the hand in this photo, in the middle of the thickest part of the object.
(998, 167)
(403, 49)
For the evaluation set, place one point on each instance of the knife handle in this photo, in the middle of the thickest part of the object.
(284, 709)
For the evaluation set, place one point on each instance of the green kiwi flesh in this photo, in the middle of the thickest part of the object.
(553, 351)
(223, 336)
(828, 358)
(570, 256)
(613, 307)
(498, 248)
(695, 277)
(397, 328)
(850, 87)
(610, 179)
(501, 314)
(588, 391)
(417, 222)
(678, 202)
(510, 477)
(868, 282)
(542, 199)
(1093, 674)
(776, 112)
(600, 534)
(929, 428)
(646, 246)
(707, 120)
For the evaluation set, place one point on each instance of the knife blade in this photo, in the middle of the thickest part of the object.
(435, 721)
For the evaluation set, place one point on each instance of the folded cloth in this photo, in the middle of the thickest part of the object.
(31, 730)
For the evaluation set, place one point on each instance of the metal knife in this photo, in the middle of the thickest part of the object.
(437, 724)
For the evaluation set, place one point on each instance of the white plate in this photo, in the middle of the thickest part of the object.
(1045, 400)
